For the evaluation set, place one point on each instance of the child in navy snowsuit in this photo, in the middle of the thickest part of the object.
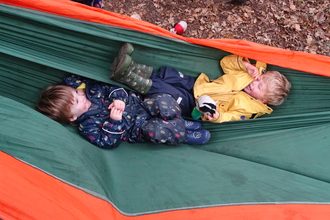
(105, 123)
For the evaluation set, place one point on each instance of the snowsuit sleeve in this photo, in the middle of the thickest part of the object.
(103, 132)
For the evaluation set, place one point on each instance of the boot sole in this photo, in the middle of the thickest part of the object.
(123, 64)
(127, 48)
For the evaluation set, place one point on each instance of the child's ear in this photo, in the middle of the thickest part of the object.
(263, 101)
(73, 118)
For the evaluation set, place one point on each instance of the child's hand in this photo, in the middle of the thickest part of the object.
(117, 104)
(117, 107)
(209, 117)
(252, 70)
(116, 114)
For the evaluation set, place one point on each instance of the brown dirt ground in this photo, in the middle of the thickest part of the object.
(300, 25)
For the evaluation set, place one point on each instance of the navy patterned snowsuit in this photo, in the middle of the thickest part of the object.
(156, 119)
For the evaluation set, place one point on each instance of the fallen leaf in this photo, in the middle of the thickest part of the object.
(319, 17)
(297, 27)
(191, 19)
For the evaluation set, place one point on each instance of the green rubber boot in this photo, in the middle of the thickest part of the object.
(140, 69)
(126, 75)
(127, 48)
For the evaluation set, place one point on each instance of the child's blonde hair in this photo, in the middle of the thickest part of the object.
(278, 87)
(55, 102)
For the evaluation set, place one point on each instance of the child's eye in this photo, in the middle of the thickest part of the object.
(77, 94)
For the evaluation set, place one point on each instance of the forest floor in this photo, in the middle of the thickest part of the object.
(300, 25)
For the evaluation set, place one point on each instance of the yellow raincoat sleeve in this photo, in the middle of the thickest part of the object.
(242, 107)
(235, 73)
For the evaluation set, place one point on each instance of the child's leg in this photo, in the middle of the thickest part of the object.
(168, 80)
(162, 106)
(173, 132)
(175, 78)
(185, 100)
(159, 131)
(167, 126)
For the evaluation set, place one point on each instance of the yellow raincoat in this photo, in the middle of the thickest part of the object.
(232, 103)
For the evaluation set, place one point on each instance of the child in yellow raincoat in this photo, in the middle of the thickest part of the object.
(243, 92)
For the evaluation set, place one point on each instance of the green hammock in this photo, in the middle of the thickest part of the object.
(282, 158)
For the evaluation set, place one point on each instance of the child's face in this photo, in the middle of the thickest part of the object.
(80, 104)
(257, 89)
